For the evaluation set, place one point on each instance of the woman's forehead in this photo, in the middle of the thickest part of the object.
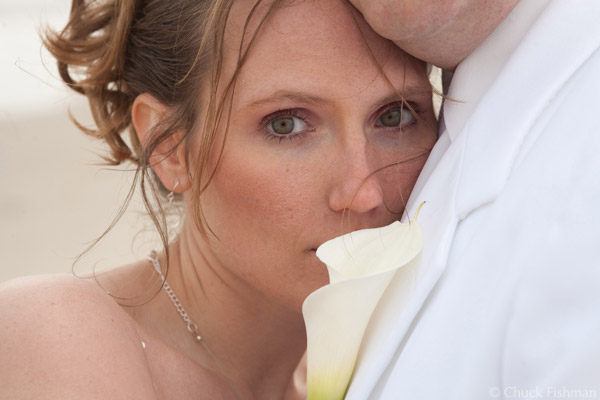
(308, 42)
(319, 28)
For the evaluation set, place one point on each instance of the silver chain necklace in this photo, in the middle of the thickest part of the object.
(192, 327)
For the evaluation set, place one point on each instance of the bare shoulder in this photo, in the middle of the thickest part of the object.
(62, 337)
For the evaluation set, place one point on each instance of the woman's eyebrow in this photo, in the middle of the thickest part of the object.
(405, 93)
(304, 98)
(293, 96)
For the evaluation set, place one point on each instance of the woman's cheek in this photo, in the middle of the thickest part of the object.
(398, 182)
(263, 190)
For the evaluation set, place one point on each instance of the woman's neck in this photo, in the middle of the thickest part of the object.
(258, 341)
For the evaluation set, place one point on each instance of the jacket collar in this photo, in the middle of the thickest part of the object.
(564, 36)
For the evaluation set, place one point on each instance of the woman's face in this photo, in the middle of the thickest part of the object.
(312, 120)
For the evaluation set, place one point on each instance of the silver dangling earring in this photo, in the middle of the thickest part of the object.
(171, 195)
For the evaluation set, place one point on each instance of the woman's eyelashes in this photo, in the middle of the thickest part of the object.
(286, 124)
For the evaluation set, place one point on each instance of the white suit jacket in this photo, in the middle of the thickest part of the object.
(505, 301)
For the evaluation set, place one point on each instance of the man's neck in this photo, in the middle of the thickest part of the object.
(457, 40)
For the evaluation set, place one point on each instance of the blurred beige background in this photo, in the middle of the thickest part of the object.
(53, 199)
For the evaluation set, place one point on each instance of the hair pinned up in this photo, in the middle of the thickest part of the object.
(111, 51)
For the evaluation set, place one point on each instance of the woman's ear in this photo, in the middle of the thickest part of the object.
(168, 159)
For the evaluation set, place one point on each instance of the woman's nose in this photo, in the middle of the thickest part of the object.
(357, 187)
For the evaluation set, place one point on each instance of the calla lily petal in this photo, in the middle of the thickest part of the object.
(361, 264)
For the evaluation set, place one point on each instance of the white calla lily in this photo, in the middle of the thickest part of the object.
(361, 264)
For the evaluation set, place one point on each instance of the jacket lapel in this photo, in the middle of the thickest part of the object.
(403, 298)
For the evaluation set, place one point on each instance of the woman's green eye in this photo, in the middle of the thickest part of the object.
(391, 117)
(286, 125)
(395, 117)
(283, 125)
